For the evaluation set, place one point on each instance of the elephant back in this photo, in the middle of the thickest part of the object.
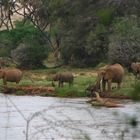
(67, 77)
(64, 77)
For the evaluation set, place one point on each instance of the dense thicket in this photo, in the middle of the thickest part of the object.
(124, 43)
(24, 44)
(99, 31)
(84, 32)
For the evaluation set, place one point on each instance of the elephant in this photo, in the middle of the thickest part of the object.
(63, 77)
(10, 75)
(136, 69)
(2, 63)
(111, 74)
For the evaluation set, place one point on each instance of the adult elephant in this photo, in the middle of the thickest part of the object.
(10, 75)
(136, 69)
(111, 74)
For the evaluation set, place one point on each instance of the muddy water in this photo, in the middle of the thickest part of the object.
(49, 118)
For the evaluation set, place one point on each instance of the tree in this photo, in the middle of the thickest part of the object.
(28, 55)
(124, 46)
(31, 49)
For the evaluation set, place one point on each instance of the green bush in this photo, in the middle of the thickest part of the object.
(5, 51)
(124, 43)
(67, 91)
(24, 44)
(106, 15)
(30, 55)
(135, 92)
(22, 31)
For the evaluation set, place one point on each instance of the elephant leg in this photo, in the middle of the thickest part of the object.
(4, 82)
(103, 85)
(62, 84)
(59, 84)
(17, 82)
(119, 85)
(109, 85)
(53, 84)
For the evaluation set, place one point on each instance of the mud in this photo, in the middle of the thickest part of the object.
(30, 90)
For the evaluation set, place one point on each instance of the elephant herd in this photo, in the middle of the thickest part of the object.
(111, 74)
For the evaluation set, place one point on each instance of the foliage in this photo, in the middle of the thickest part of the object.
(81, 37)
(4, 51)
(106, 15)
(124, 46)
(21, 31)
(84, 28)
(70, 92)
(6, 44)
(26, 44)
(28, 56)
(135, 92)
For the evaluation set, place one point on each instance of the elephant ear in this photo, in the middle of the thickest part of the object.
(100, 76)
(108, 74)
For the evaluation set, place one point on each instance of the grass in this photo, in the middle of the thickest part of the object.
(134, 93)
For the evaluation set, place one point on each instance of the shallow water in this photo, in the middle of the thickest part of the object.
(50, 118)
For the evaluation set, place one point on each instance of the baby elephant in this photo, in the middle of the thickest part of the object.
(10, 75)
(136, 69)
(63, 77)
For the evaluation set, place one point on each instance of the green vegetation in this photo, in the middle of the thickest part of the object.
(75, 32)
(106, 15)
(72, 33)
(24, 45)
(124, 46)
(135, 92)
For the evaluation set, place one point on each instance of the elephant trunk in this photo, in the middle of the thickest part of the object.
(90, 91)
(98, 84)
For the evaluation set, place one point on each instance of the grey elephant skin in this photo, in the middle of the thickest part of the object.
(10, 75)
(111, 74)
(63, 77)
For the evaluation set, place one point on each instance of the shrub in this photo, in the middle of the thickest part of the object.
(70, 92)
(124, 43)
(135, 93)
(30, 55)
(106, 15)
(22, 31)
